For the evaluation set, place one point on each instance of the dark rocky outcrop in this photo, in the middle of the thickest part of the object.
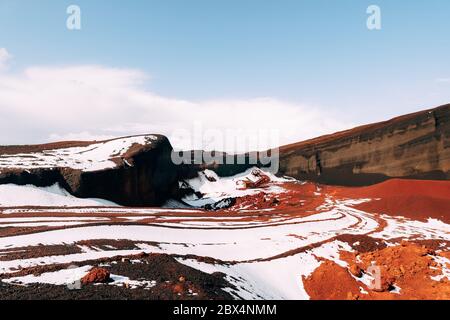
(416, 146)
(150, 181)
(144, 176)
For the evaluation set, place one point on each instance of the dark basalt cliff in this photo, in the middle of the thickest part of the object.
(416, 146)
(150, 181)
(144, 176)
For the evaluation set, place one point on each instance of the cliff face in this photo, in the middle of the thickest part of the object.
(132, 171)
(411, 146)
(147, 177)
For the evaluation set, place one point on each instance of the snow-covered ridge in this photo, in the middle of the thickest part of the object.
(96, 156)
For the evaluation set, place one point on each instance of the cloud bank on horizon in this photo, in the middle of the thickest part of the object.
(4, 58)
(87, 102)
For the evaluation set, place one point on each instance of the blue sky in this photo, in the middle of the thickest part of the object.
(310, 52)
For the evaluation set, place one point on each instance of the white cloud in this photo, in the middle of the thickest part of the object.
(443, 80)
(5, 56)
(94, 102)
(79, 136)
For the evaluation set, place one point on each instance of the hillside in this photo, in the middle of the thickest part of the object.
(415, 146)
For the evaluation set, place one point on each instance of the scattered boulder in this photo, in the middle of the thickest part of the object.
(142, 255)
(221, 204)
(210, 178)
(97, 275)
(356, 271)
(351, 296)
(178, 289)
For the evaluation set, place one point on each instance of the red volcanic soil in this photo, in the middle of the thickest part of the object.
(408, 266)
(331, 282)
(297, 200)
(414, 199)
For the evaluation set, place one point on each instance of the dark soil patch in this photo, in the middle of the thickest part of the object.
(57, 250)
(38, 251)
(362, 243)
(174, 281)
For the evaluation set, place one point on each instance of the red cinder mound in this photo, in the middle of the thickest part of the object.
(406, 272)
(416, 199)
(331, 282)
(96, 275)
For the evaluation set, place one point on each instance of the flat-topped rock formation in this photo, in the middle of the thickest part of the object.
(129, 171)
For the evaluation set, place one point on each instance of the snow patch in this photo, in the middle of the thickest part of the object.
(12, 195)
(60, 277)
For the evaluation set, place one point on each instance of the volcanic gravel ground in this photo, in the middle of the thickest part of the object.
(285, 240)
